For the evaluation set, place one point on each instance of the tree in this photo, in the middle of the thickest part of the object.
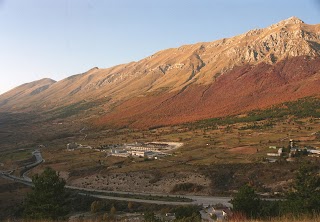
(269, 208)
(195, 217)
(187, 214)
(48, 198)
(246, 201)
(304, 197)
(150, 217)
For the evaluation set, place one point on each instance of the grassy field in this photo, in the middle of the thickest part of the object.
(216, 153)
(219, 155)
(11, 196)
(237, 143)
(16, 155)
(228, 156)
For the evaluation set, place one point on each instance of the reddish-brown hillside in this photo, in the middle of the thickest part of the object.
(254, 70)
(242, 89)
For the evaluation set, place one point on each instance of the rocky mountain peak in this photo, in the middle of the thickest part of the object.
(287, 38)
(290, 21)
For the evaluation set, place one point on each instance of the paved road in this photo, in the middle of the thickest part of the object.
(39, 160)
(210, 200)
(24, 179)
(200, 200)
(138, 200)
(14, 178)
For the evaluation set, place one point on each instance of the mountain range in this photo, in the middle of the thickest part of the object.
(255, 70)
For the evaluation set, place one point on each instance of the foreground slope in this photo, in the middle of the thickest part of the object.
(253, 70)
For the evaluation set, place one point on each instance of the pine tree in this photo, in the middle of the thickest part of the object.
(48, 198)
(304, 198)
(246, 201)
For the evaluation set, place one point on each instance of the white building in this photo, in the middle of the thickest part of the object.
(141, 148)
(312, 151)
(140, 153)
(118, 151)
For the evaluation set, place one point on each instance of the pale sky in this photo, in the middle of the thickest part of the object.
(58, 38)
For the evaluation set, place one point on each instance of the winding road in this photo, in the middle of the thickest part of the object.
(39, 159)
(198, 200)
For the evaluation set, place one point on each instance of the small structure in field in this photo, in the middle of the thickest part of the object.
(71, 146)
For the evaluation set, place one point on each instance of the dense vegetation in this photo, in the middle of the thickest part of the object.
(302, 199)
(305, 107)
(187, 214)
